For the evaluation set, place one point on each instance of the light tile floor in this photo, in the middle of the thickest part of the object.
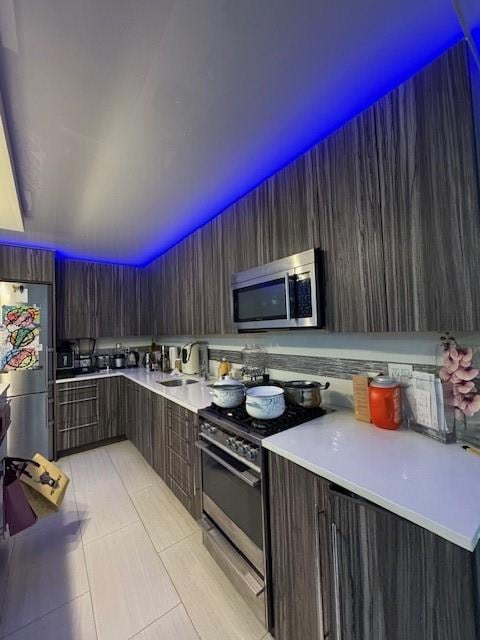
(122, 559)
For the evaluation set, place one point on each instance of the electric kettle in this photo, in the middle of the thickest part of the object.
(191, 358)
(132, 359)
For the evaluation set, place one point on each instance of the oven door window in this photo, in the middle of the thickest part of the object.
(263, 301)
(240, 502)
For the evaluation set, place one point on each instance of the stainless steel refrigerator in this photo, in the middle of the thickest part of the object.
(27, 390)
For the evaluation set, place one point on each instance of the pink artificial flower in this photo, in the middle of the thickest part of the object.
(465, 387)
(466, 356)
(455, 378)
(444, 375)
(471, 405)
(454, 354)
(467, 373)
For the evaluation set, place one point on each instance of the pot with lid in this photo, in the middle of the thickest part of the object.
(227, 393)
(265, 402)
(305, 393)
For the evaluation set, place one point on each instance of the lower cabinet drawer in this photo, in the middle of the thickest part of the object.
(177, 490)
(76, 414)
(67, 395)
(180, 426)
(179, 411)
(70, 437)
(180, 446)
(180, 471)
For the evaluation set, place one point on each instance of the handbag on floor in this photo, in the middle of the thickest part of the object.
(45, 485)
(17, 512)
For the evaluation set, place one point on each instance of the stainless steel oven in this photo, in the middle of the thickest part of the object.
(232, 507)
(285, 294)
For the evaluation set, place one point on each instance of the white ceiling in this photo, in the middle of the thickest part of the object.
(135, 121)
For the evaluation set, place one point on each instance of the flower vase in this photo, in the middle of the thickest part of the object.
(461, 417)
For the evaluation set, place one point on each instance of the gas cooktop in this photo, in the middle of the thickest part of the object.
(238, 416)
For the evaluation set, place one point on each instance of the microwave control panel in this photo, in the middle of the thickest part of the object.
(303, 296)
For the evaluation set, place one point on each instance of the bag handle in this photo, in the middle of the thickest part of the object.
(17, 466)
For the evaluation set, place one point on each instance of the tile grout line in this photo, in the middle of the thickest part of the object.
(151, 541)
(163, 550)
(59, 606)
(44, 615)
(84, 556)
(148, 535)
(171, 578)
(180, 604)
(174, 544)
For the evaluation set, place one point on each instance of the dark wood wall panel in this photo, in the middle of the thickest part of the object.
(102, 300)
(391, 198)
(23, 263)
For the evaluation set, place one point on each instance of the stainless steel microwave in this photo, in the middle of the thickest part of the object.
(285, 294)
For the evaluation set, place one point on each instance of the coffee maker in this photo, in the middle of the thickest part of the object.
(65, 364)
(84, 361)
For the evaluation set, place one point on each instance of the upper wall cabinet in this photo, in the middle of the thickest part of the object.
(392, 199)
(99, 300)
(23, 263)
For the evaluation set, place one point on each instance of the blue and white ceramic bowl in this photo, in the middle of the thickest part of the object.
(265, 403)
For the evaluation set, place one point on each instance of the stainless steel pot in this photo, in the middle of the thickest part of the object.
(118, 361)
(305, 393)
(102, 361)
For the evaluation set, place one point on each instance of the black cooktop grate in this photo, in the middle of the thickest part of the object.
(292, 417)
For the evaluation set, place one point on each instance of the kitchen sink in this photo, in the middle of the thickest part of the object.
(181, 382)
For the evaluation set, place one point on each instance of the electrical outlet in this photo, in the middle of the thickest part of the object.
(401, 372)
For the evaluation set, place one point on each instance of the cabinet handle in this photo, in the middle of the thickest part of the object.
(86, 386)
(336, 581)
(77, 400)
(81, 426)
(321, 626)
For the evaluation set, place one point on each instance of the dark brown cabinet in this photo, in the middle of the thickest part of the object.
(30, 265)
(159, 435)
(296, 498)
(88, 412)
(97, 299)
(111, 406)
(345, 568)
(138, 427)
(397, 220)
(182, 461)
(395, 580)
(165, 434)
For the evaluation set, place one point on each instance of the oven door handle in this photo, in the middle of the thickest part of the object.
(246, 476)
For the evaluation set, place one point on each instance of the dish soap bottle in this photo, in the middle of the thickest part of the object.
(223, 368)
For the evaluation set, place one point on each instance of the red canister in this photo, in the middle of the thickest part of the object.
(384, 401)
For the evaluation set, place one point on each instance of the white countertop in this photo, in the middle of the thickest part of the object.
(434, 485)
(191, 396)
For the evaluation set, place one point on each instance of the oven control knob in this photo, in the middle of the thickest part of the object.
(242, 448)
(236, 444)
(211, 428)
(203, 427)
(252, 453)
(229, 441)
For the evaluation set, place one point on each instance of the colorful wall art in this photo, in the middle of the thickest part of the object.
(19, 337)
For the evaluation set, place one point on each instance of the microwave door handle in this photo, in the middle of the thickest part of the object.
(287, 294)
(290, 279)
